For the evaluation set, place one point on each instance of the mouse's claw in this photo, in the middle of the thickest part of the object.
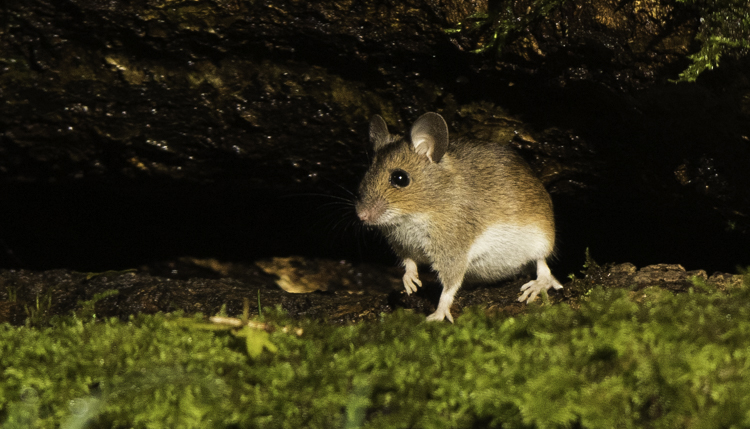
(439, 315)
(532, 289)
(411, 283)
(444, 306)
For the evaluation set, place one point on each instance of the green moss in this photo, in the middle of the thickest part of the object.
(503, 22)
(724, 30)
(675, 360)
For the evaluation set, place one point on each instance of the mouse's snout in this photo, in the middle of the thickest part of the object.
(370, 212)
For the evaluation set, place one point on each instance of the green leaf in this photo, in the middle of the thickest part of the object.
(256, 340)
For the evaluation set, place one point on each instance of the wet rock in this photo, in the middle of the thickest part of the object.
(204, 91)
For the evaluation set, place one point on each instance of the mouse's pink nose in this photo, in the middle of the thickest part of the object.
(364, 215)
(370, 212)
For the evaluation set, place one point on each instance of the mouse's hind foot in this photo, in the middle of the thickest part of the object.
(544, 282)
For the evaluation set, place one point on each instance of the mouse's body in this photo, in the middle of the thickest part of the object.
(473, 211)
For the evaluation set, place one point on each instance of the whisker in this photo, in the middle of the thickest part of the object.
(342, 204)
(313, 194)
(350, 193)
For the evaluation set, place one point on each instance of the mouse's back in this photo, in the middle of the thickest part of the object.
(500, 183)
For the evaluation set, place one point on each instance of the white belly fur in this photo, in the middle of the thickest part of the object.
(503, 249)
(412, 235)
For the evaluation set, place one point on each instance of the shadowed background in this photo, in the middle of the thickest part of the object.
(133, 134)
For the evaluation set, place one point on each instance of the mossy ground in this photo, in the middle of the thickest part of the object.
(650, 358)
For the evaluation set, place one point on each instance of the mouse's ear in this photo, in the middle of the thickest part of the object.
(379, 136)
(429, 135)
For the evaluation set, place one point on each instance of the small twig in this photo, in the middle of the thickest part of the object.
(237, 323)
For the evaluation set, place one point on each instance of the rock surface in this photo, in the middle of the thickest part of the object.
(354, 293)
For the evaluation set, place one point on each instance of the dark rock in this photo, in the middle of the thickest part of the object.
(671, 276)
(353, 293)
(726, 280)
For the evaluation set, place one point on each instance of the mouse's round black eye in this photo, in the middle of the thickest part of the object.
(400, 179)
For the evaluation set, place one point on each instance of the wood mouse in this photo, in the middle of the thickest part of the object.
(471, 210)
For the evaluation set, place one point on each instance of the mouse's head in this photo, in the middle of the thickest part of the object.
(404, 177)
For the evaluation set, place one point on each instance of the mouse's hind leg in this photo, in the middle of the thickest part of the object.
(451, 277)
(444, 306)
(544, 281)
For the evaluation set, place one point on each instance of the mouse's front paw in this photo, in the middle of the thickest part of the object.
(411, 277)
(533, 288)
(411, 282)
